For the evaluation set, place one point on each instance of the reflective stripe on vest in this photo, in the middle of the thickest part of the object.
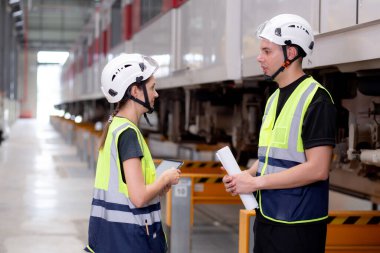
(280, 148)
(124, 213)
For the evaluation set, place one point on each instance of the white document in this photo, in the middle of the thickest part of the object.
(229, 163)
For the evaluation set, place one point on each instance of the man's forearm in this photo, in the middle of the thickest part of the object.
(253, 169)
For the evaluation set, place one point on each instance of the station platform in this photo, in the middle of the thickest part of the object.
(46, 192)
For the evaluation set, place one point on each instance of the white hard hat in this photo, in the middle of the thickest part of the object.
(124, 70)
(288, 29)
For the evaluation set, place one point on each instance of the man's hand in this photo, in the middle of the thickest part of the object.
(239, 183)
(229, 184)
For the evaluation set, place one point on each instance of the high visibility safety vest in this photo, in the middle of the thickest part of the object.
(280, 148)
(116, 225)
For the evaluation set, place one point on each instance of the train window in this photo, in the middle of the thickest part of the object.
(116, 22)
(149, 9)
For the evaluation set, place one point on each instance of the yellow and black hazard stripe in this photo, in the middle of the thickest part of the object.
(354, 220)
(209, 180)
(195, 164)
(203, 164)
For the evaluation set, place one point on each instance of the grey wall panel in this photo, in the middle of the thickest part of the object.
(368, 10)
(6, 66)
(2, 38)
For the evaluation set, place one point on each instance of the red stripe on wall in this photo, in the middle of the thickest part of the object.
(136, 24)
(167, 5)
(178, 3)
(89, 55)
(128, 22)
(105, 40)
(96, 49)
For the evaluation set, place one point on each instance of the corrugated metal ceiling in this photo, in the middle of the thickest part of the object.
(54, 24)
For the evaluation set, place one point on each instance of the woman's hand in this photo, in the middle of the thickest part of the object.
(171, 176)
(165, 190)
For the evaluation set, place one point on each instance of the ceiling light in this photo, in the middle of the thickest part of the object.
(52, 57)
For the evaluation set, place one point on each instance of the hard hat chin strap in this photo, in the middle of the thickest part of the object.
(286, 63)
(146, 103)
(147, 120)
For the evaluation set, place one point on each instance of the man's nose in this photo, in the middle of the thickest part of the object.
(259, 58)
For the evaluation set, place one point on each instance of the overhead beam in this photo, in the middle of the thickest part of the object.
(53, 28)
(53, 35)
(50, 45)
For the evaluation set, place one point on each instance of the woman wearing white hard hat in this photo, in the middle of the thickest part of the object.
(125, 215)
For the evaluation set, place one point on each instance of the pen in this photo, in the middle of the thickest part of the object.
(146, 227)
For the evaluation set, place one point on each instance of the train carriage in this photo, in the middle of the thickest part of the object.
(211, 87)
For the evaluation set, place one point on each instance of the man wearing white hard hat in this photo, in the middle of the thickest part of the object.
(297, 137)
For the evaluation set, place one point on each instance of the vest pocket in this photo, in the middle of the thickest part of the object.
(157, 241)
(279, 135)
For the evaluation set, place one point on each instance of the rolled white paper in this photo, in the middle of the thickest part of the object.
(228, 161)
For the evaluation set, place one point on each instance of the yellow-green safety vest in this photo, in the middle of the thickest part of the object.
(116, 225)
(281, 148)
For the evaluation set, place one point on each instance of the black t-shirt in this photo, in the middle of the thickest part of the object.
(321, 110)
(128, 147)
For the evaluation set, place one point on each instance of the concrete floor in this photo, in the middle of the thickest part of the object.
(46, 193)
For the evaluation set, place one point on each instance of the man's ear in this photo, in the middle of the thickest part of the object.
(292, 52)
